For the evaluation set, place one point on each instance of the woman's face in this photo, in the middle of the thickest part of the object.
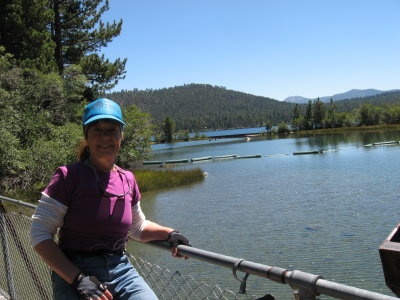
(104, 139)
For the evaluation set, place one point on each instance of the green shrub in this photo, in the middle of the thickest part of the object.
(48, 153)
(12, 161)
(283, 128)
(137, 136)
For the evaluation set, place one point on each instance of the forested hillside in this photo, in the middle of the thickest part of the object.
(378, 100)
(201, 106)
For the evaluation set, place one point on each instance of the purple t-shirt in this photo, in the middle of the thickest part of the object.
(96, 219)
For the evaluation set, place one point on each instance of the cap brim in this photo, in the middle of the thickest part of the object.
(99, 117)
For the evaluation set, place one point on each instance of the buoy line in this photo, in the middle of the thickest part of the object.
(235, 156)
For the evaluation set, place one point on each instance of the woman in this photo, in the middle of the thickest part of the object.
(96, 206)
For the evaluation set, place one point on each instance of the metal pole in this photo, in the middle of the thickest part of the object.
(342, 291)
(308, 285)
(18, 202)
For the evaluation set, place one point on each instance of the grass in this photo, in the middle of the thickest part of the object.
(152, 180)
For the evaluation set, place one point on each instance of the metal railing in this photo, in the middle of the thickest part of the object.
(306, 286)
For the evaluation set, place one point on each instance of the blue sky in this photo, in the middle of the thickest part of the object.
(271, 48)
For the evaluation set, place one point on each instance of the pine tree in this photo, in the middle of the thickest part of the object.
(24, 33)
(268, 126)
(318, 113)
(79, 34)
(296, 112)
(331, 115)
(168, 128)
(297, 119)
(308, 121)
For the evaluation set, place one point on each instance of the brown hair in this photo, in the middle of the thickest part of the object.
(83, 152)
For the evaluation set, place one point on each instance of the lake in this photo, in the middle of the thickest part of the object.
(325, 214)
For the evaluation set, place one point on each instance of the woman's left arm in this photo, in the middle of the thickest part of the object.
(153, 231)
(144, 230)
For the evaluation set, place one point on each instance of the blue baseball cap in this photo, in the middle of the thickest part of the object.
(102, 109)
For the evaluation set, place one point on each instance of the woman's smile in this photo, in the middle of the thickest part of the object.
(104, 141)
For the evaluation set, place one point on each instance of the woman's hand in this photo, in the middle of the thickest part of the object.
(175, 238)
(89, 288)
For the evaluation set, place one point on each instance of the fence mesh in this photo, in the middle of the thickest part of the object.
(173, 285)
(24, 276)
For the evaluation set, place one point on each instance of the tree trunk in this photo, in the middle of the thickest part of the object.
(57, 37)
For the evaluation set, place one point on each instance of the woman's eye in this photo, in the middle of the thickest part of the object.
(108, 132)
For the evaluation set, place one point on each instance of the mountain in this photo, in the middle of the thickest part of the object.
(203, 106)
(296, 99)
(198, 107)
(387, 98)
(355, 93)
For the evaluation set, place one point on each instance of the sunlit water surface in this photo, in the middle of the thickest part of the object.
(324, 214)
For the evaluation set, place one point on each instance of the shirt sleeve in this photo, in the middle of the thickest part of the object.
(57, 188)
(136, 196)
(48, 216)
(139, 222)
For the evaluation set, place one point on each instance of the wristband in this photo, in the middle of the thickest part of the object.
(78, 279)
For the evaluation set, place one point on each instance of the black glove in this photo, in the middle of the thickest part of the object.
(88, 286)
(175, 238)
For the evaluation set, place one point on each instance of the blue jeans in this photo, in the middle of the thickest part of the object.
(115, 271)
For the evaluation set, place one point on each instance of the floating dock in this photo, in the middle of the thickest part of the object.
(308, 152)
(235, 156)
(225, 156)
(152, 162)
(201, 158)
(176, 161)
(386, 143)
(249, 156)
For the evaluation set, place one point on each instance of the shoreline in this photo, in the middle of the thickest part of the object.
(297, 132)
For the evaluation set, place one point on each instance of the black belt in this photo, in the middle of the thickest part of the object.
(73, 253)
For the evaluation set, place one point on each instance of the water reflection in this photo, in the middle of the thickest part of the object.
(354, 138)
(324, 214)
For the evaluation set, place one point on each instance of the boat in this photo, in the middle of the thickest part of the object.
(389, 252)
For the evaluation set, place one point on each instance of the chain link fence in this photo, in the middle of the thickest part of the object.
(168, 285)
(24, 276)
